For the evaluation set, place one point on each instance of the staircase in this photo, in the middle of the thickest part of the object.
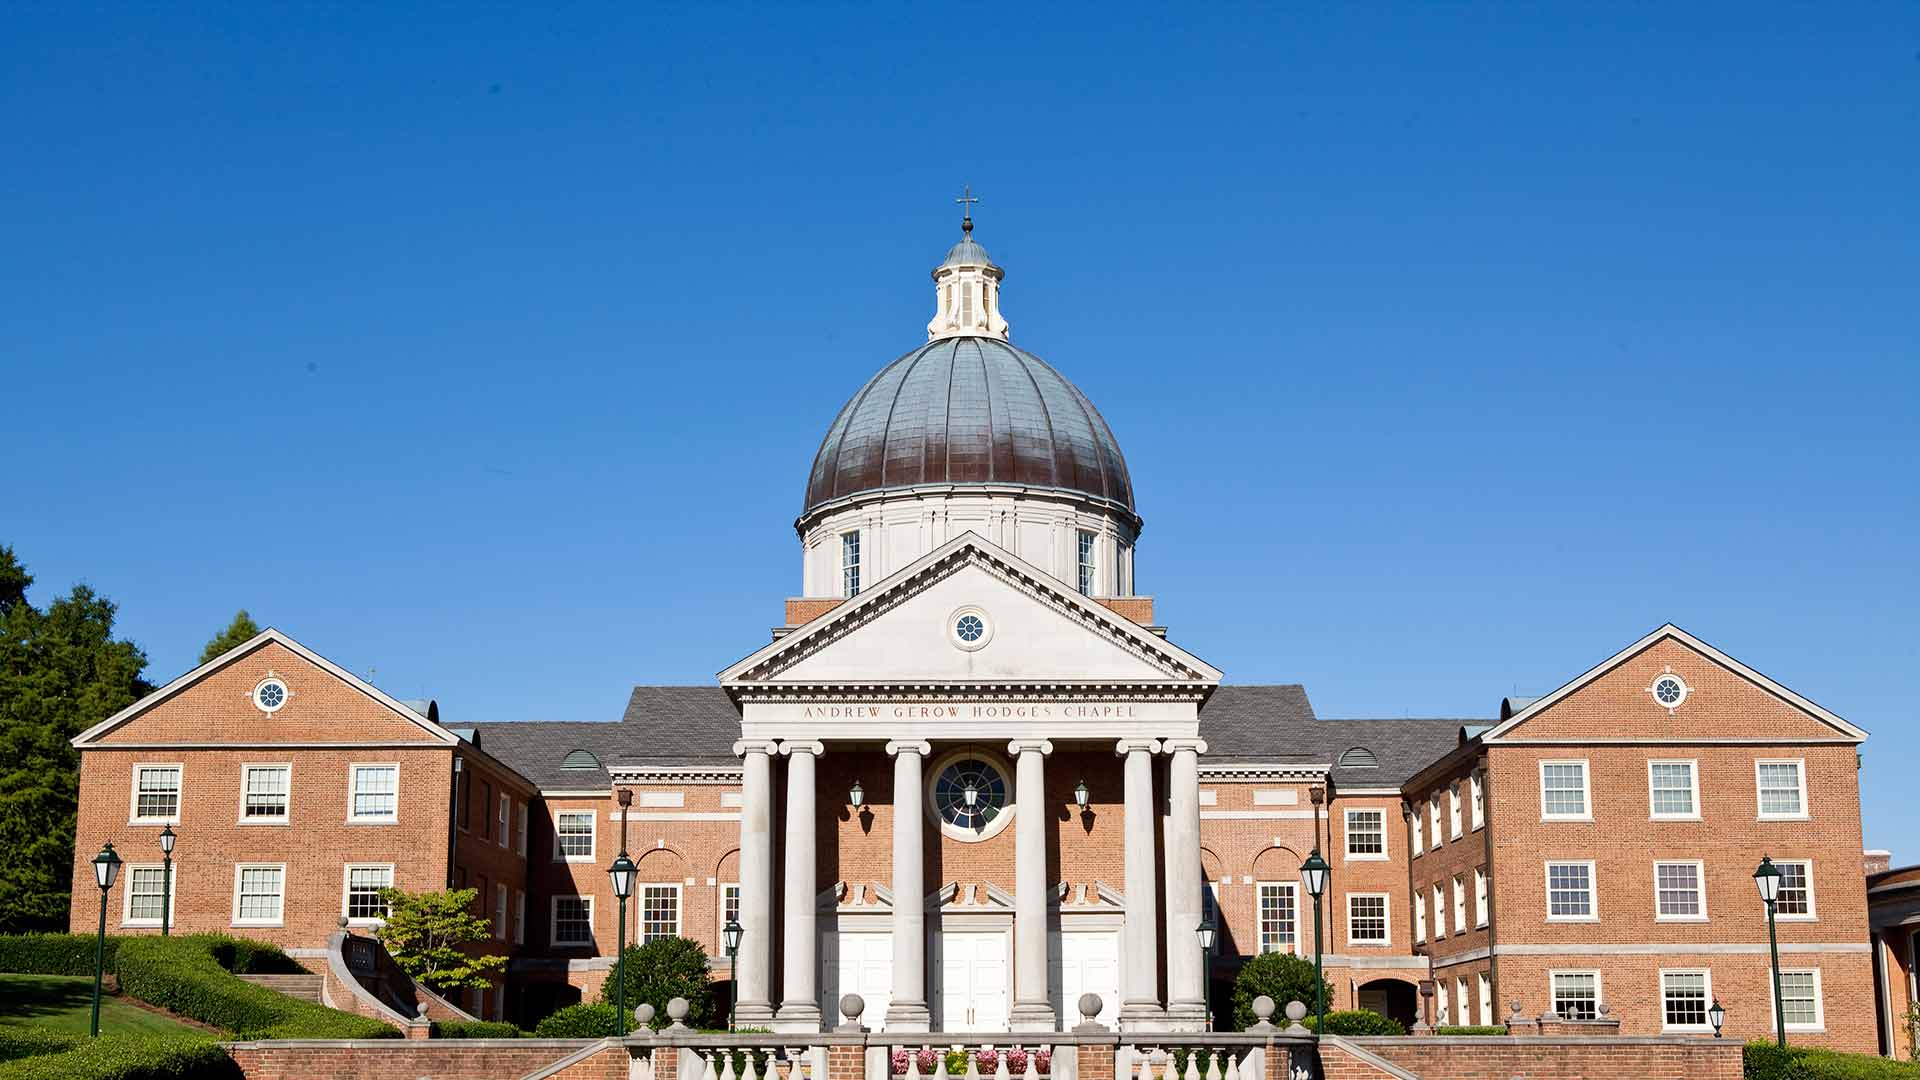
(304, 987)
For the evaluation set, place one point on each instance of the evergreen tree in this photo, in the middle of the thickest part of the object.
(61, 672)
(241, 630)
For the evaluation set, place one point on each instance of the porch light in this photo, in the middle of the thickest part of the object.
(106, 867)
(857, 795)
(730, 936)
(1767, 878)
(166, 840)
(622, 873)
(1081, 794)
(1313, 873)
(970, 795)
(1718, 1016)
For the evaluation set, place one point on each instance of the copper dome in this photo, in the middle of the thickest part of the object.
(969, 410)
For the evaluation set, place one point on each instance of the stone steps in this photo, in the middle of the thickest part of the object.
(304, 987)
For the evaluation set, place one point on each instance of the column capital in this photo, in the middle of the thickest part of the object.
(803, 746)
(1021, 746)
(743, 747)
(1174, 746)
(1128, 746)
(909, 746)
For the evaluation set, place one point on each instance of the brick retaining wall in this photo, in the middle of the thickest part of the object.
(1540, 1058)
(394, 1059)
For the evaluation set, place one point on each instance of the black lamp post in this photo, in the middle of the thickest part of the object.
(1767, 879)
(1313, 874)
(106, 867)
(622, 873)
(1208, 932)
(166, 879)
(1717, 1015)
(730, 937)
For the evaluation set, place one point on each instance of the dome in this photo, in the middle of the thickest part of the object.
(967, 252)
(969, 410)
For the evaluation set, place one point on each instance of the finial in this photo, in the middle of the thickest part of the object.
(966, 200)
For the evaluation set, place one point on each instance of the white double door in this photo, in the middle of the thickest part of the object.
(857, 962)
(1085, 962)
(974, 969)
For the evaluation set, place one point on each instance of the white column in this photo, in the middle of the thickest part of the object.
(799, 1001)
(1186, 961)
(908, 1010)
(753, 967)
(1032, 1004)
(1140, 941)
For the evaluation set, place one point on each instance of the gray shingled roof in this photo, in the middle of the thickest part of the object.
(697, 725)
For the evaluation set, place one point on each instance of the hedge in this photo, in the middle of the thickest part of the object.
(474, 1029)
(129, 1057)
(1766, 1061)
(1471, 1029)
(186, 975)
(1359, 1022)
(595, 1021)
(52, 954)
(19, 1042)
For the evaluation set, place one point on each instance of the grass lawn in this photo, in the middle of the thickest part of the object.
(65, 1003)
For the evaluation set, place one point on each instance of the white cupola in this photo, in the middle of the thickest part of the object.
(966, 288)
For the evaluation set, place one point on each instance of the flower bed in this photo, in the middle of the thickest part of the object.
(986, 1061)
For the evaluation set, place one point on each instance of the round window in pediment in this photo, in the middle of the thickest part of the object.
(1669, 690)
(270, 694)
(970, 796)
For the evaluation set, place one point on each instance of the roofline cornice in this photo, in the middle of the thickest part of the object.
(676, 774)
(1264, 771)
(813, 515)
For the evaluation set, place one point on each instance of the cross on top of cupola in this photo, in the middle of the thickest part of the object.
(966, 286)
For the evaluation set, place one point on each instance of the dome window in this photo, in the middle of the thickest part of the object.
(580, 759)
(1359, 757)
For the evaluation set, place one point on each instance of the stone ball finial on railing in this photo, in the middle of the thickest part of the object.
(851, 1006)
(1296, 1012)
(1515, 1006)
(420, 1010)
(677, 1011)
(1603, 1008)
(1263, 1008)
(1089, 1006)
(643, 1015)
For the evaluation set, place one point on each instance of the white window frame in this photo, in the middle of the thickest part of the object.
(1259, 929)
(1813, 909)
(1706, 1002)
(506, 819)
(246, 768)
(1700, 883)
(1386, 918)
(1486, 999)
(1586, 791)
(640, 909)
(1759, 799)
(850, 572)
(1439, 912)
(520, 830)
(1453, 811)
(519, 916)
(1479, 801)
(234, 911)
(1693, 776)
(1462, 1002)
(346, 890)
(720, 930)
(1819, 1000)
(1459, 904)
(1480, 898)
(1419, 918)
(1419, 834)
(126, 902)
(1599, 990)
(1086, 561)
(593, 836)
(353, 774)
(179, 793)
(1382, 855)
(1433, 817)
(553, 922)
(1443, 1015)
(1593, 890)
(499, 911)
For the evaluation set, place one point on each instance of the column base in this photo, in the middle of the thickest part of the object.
(1186, 1016)
(752, 1014)
(1033, 1016)
(798, 1018)
(909, 1016)
(1142, 1016)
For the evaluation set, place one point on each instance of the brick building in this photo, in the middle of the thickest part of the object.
(971, 778)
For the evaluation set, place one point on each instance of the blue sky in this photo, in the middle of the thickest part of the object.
(1452, 346)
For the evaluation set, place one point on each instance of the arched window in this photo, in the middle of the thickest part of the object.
(580, 759)
(1359, 758)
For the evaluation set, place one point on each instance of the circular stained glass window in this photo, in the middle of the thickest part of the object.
(270, 695)
(969, 627)
(1669, 690)
(989, 794)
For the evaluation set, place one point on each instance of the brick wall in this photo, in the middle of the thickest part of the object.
(1541, 1058)
(1137, 609)
(440, 1059)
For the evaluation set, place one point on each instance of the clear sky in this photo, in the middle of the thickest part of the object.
(1453, 347)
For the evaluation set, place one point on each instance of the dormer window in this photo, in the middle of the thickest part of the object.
(1359, 758)
(580, 759)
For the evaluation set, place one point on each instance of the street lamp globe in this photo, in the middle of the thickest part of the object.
(1313, 874)
(166, 840)
(106, 866)
(1207, 932)
(622, 873)
(1767, 879)
(730, 936)
(1717, 1015)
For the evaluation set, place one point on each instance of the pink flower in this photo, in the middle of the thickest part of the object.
(899, 1060)
(1043, 1061)
(926, 1061)
(989, 1059)
(1016, 1060)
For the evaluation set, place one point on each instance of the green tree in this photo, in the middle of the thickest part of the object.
(661, 970)
(241, 630)
(427, 934)
(1283, 977)
(61, 672)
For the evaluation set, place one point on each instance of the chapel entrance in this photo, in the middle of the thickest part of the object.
(972, 983)
(857, 962)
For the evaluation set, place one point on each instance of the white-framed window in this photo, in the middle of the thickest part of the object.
(1279, 916)
(1433, 818)
(1563, 791)
(1480, 896)
(1419, 834)
(729, 904)
(1570, 892)
(1576, 994)
(659, 912)
(500, 911)
(1086, 561)
(1479, 786)
(573, 836)
(506, 819)
(1486, 1000)
(1673, 790)
(1453, 811)
(1462, 1001)
(263, 793)
(1367, 835)
(1419, 917)
(1679, 892)
(519, 917)
(1794, 901)
(520, 831)
(1443, 1013)
(156, 795)
(1801, 1000)
(1782, 789)
(360, 901)
(1439, 912)
(147, 886)
(374, 791)
(1367, 922)
(1684, 997)
(572, 921)
(1459, 904)
(259, 893)
(850, 564)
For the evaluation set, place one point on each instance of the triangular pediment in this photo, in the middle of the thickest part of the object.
(1028, 629)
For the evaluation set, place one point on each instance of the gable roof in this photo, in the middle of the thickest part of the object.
(1245, 724)
(662, 725)
(265, 637)
(1535, 706)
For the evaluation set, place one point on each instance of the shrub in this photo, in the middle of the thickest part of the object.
(52, 954)
(185, 975)
(474, 1029)
(1280, 976)
(1359, 1022)
(581, 1021)
(661, 970)
(26, 1042)
(1471, 1029)
(1766, 1061)
(129, 1057)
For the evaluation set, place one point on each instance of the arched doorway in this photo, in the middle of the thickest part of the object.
(1392, 998)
